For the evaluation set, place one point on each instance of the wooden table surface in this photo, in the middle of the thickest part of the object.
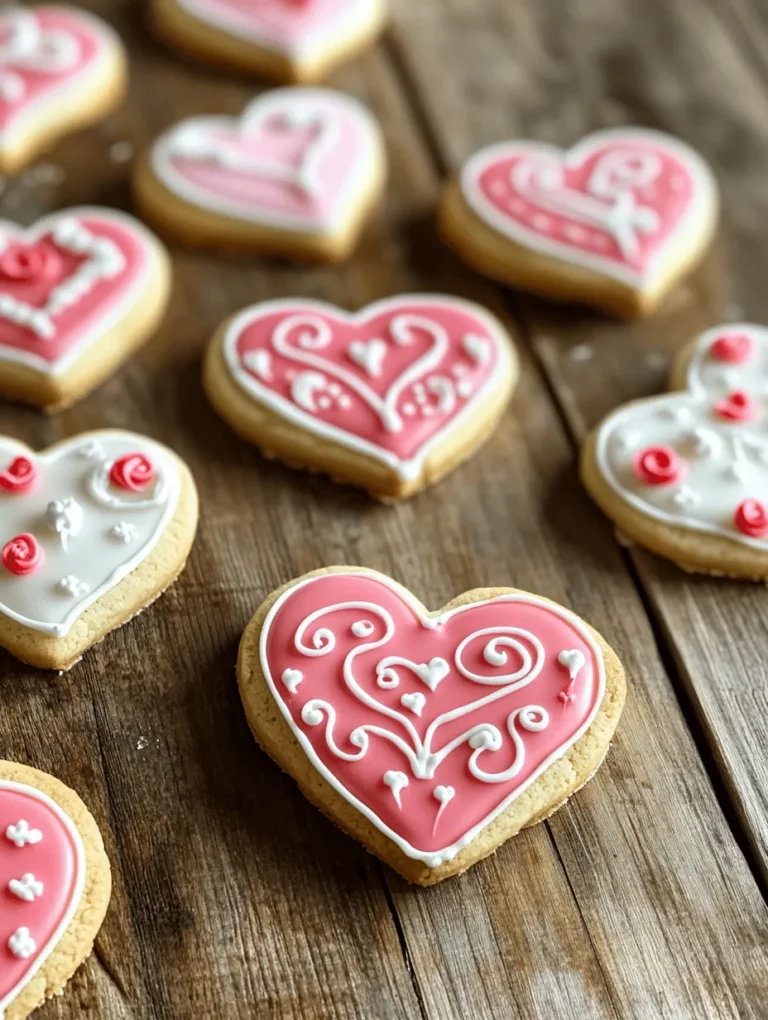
(234, 898)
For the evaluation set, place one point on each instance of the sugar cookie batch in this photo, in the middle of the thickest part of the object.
(431, 736)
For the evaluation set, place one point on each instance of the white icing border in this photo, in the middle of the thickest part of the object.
(103, 325)
(431, 858)
(354, 189)
(703, 206)
(69, 825)
(167, 469)
(685, 397)
(347, 25)
(406, 469)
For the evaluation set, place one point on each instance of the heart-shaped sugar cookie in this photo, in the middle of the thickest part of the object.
(686, 474)
(94, 529)
(389, 398)
(430, 776)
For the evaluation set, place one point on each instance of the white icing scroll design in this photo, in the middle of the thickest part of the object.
(100, 490)
(27, 47)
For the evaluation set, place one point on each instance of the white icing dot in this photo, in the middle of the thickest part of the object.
(409, 410)
(464, 388)
(124, 531)
(685, 497)
(324, 403)
(334, 389)
(345, 402)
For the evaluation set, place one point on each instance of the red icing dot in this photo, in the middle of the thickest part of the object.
(22, 264)
(737, 406)
(658, 465)
(134, 472)
(751, 518)
(733, 347)
(22, 555)
(19, 476)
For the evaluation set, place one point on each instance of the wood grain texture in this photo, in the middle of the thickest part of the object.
(233, 897)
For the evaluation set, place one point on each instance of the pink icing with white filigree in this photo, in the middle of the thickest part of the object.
(388, 381)
(429, 725)
(42, 870)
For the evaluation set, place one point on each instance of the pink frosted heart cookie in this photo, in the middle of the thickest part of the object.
(289, 40)
(61, 69)
(430, 737)
(297, 174)
(79, 292)
(55, 885)
(616, 221)
(93, 530)
(686, 474)
(390, 398)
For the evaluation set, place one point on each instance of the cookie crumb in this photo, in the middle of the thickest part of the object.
(582, 352)
(121, 152)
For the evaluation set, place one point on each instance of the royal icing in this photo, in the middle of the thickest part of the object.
(46, 53)
(390, 381)
(88, 532)
(626, 203)
(42, 874)
(299, 29)
(298, 158)
(699, 458)
(491, 719)
(66, 282)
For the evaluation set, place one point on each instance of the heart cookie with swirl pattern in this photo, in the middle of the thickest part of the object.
(55, 885)
(60, 70)
(94, 530)
(430, 737)
(686, 474)
(390, 398)
(616, 221)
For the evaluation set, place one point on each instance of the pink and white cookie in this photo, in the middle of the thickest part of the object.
(80, 291)
(61, 69)
(288, 40)
(431, 737)
(298, 174)
(55, 885)
(390, 398)
(686, 474)
(94, 529)
(615, 222)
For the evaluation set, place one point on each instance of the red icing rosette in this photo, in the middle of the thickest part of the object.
(751, 518)
(22, 555)
(25, 265)
(19, 476)
(735, 348)
(737, 406)
(658, 465)
(133, 471)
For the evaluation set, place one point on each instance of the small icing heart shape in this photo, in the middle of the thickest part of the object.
(439, 361)
(428, 769)
(714, 437)
(299, 159)
(629, 204)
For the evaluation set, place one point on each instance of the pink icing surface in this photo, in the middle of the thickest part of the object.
(474, 799)
(37, 84)
(55, 266)
(354, 410)
(53, 861)
(669, 196)
(283, 23)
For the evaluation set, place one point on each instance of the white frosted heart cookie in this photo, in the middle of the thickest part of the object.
(390, 398)
(288, 40)
(430, 737)
(80, 291)
(61, 69)
(55, 885)
(686, 474)
(298, 174)
(94, 529)
(614, 222)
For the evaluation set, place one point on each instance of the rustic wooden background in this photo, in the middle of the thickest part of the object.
(644, 897)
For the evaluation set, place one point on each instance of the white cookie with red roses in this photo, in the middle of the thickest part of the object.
(297, 175)
(61, 69)
(390, 398)
(298, 41)
(56, 884)
(686, 474)
(93, 530)
(615, 222)
(431, 737)
(80, 291)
